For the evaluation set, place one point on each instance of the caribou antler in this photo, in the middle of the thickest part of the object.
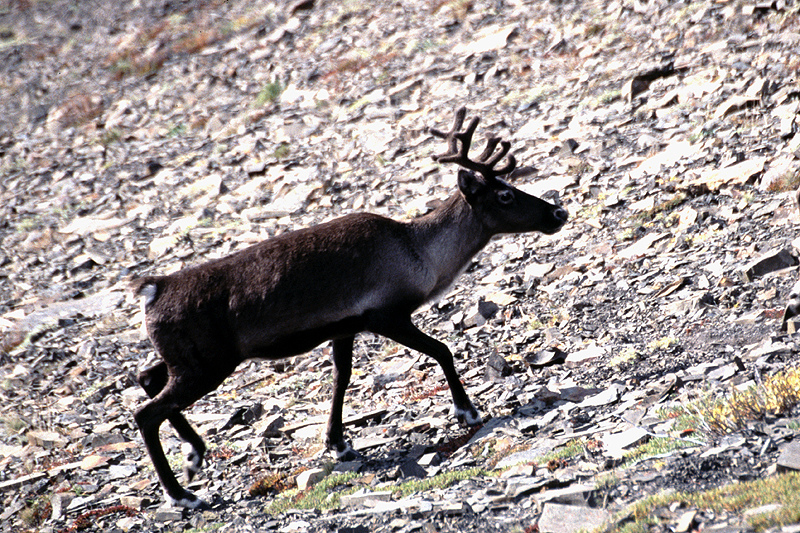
(486, 161)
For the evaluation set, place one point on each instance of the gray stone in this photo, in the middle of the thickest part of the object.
(430, 459)
(366, 498)
(270, 426)
(255, 168)
(576, 494)
(59, 503)
(550, 356)
(789, 458)
(95, 440)
(79, 503)
(497, 367)
(348, 466)
(724, 372)
(121, 471)
(134, 502)
(410, 469)
(557, 518)
(372, 441)
(167, 514)
(770, 262)
(685, 521)
(244, 416)
(487, 309)
(101, 303)
(606, 397)
(584, 357)
(523, 469)
(309, 478)
(524, 485)
(614, 444)
(22, 480)
(47, 439)
(525, 456)
(768, 508)
(456, 509)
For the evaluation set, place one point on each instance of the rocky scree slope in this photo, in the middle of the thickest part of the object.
(144, 138)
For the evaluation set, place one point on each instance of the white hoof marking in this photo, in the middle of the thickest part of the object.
(189, 502)
(471, 418)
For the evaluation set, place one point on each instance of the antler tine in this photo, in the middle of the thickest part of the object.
(455, 154)
(509, 168)
(450, 137)
(491, 144)
(460, 155)
(491, 160)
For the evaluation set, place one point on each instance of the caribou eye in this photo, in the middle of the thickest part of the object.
(505, 197)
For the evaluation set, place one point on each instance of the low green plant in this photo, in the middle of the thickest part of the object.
(282, 151)
(531, 95)
(782, 489)
(459, 8)
(110, 136)
(655, 446)
(590, 210)
(269, 93)
(321, 496)
(15, 424)
(662, 209)
(662, 344)
(36, 511)
(570, 449)
(176, 130)
(426, 45)
(29, 223)
(535, 323)
(624, 356)
(774, 395)
(609, 96)
(439, 481)
(628, 234)
(607, 481)
(788, 181)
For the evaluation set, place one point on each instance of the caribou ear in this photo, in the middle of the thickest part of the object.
(471, 184)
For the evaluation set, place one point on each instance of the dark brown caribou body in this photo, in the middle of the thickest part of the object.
(286, 295)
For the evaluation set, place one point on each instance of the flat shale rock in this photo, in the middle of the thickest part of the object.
(789, 457)
(366, 498)
(308, 478)
(558, 518)
(770, 262)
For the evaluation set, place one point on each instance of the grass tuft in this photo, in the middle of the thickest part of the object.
(269, 93)
(282, 151)
(321, 496)
(783, 489)
(662, 343)
(775, 395)
(789, 181)
(440, 481)
(661, 209)
(274, 483)
(624, 356)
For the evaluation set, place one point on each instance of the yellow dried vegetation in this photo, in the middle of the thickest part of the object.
(774, 395)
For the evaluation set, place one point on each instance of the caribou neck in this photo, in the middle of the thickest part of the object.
(449, 237)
